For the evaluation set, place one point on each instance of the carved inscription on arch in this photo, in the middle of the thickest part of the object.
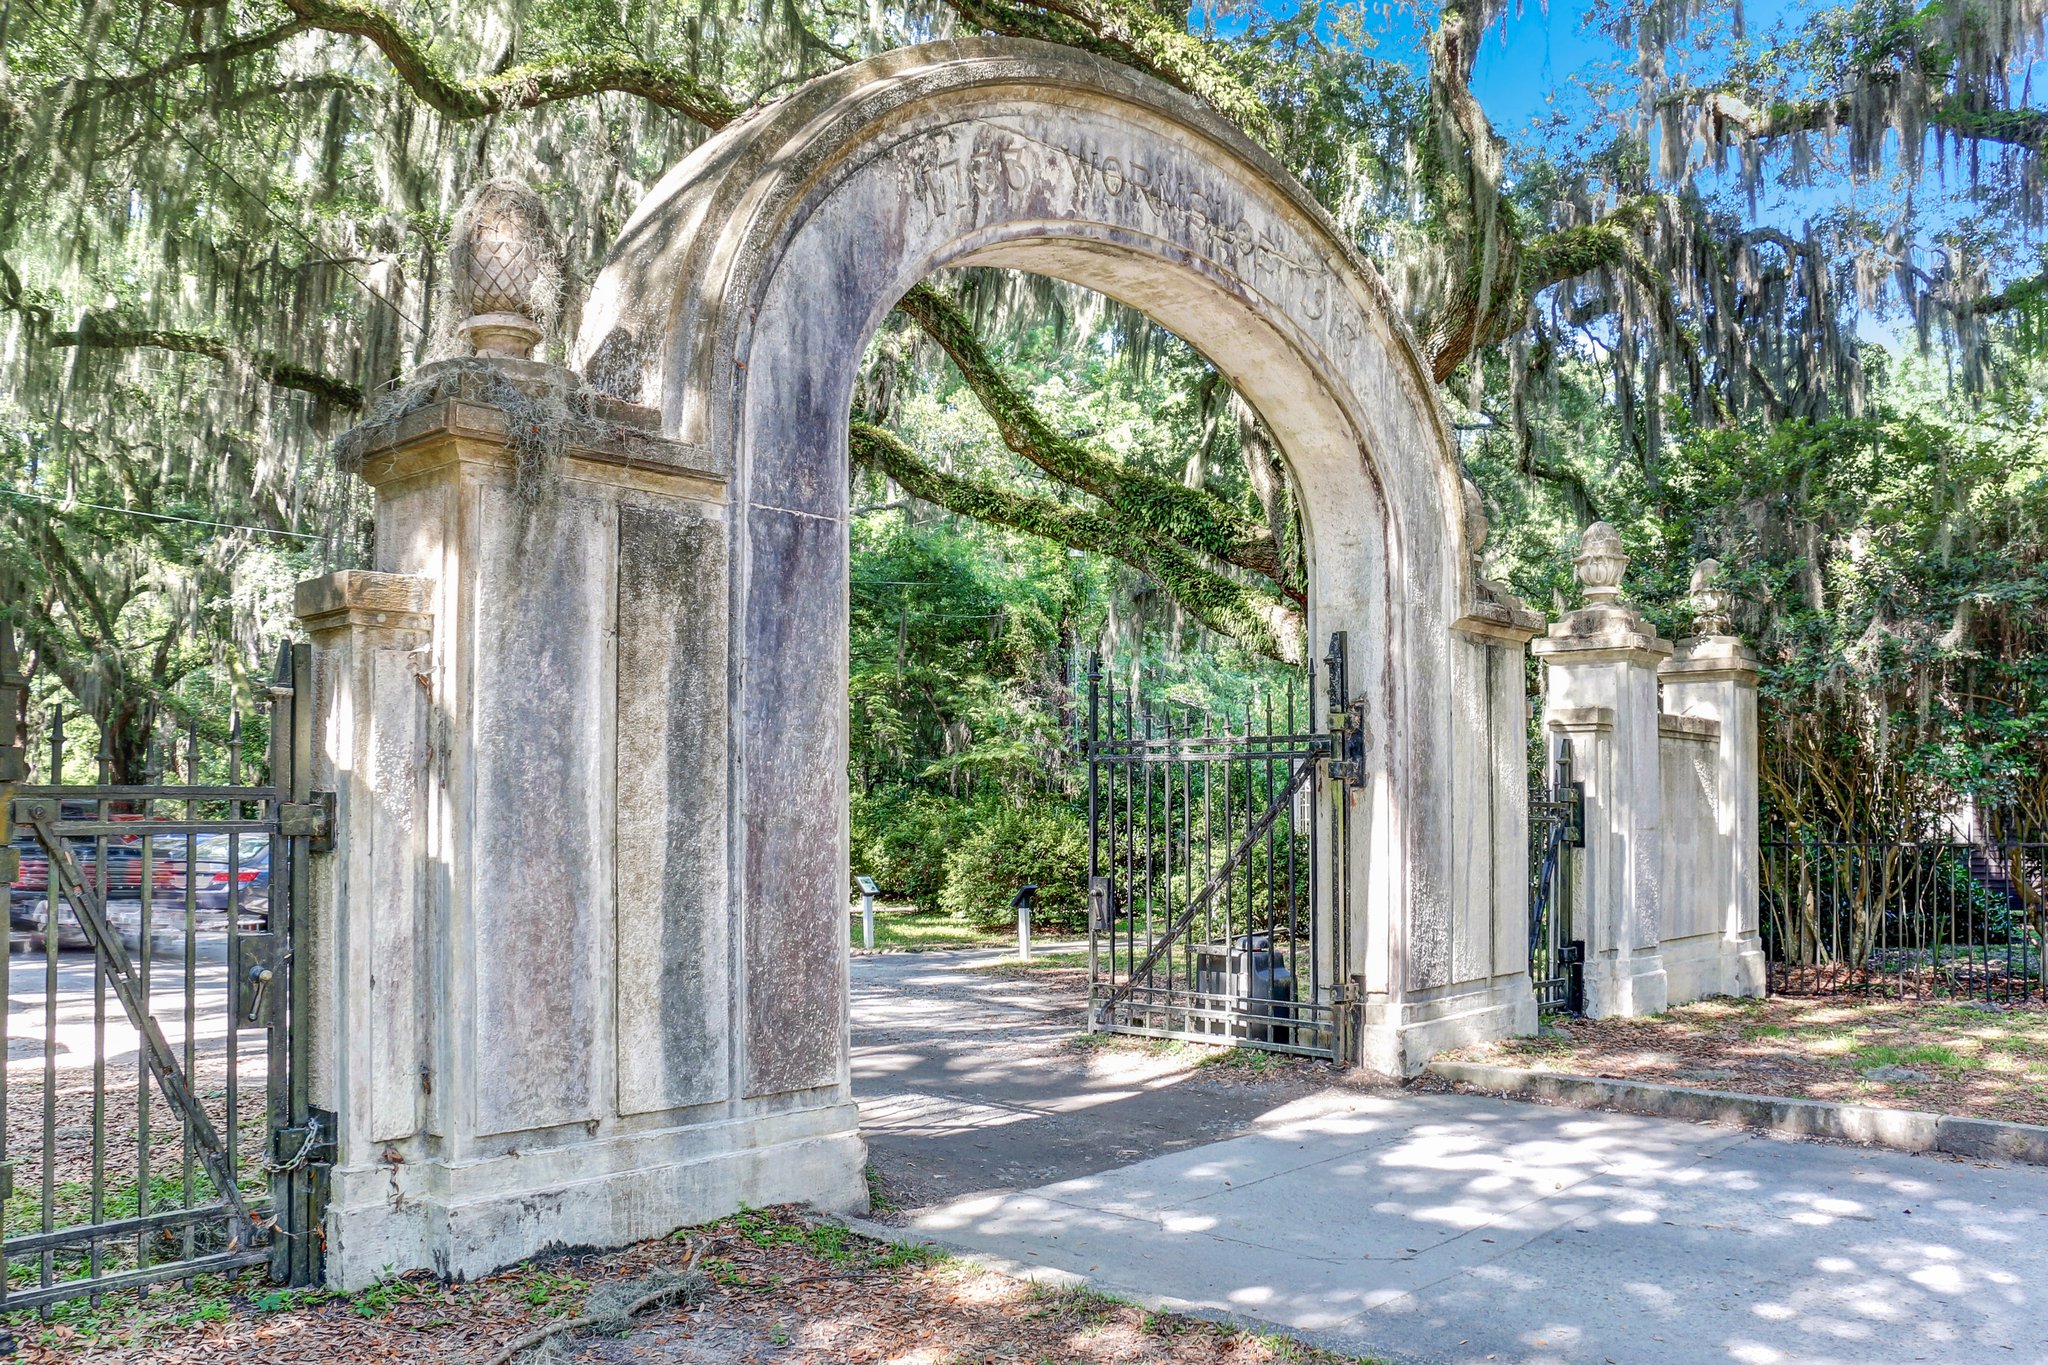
(981, 172)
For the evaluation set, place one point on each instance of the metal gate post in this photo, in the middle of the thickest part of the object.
(300, 1141)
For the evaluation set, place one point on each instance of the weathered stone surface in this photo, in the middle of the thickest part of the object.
(673, 914)
(540, 845)
(793, 715)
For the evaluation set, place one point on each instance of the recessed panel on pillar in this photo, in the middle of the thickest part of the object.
(794, 746)
(540, 885)
(673, 914)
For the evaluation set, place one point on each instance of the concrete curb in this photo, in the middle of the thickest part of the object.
(1905, 1130)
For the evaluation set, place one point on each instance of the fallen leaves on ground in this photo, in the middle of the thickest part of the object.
(784, 1289)
(1981, 1060)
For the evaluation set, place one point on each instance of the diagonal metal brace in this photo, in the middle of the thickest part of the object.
(1302, 773)
(163, 1062)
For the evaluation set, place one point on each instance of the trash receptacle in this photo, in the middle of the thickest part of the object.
(1249, 984)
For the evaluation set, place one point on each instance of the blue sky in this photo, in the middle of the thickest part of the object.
(1538, 63)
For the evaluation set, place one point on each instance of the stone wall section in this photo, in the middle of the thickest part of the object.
(1663, 742)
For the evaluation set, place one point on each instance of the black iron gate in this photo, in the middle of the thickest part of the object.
(154, 1124)
(1556, 826)
(1211, 840)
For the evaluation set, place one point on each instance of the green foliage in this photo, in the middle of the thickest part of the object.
(1046, 845)
(902, 837)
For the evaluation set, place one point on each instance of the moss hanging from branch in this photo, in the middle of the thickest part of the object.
(1257, 618)
(1136, 35)
(525, 86)
(94, 332)
(1191, 517)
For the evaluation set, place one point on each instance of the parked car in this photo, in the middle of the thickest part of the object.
(220, 862)
(30, 897)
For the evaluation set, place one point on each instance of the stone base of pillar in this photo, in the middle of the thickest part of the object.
(466, 1219)
(1398, 1039)
(1743, 971)
(1631, 985)
(1710, 964)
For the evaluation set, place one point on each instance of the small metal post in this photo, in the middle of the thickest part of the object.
(1027, 896)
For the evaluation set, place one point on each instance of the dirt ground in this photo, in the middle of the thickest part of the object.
(775, 1287)
(1951, 1057)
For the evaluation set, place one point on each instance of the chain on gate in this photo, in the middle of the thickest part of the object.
(1218, 866)
(164, 1124)
(1556, 826)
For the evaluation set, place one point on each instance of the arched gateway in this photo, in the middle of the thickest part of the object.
(589, 970)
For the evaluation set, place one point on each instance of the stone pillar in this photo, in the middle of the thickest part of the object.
(1602, 663)
(531, 980)
(1712, 677)
(371, 635)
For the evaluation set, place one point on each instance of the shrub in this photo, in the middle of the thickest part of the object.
(1047, 845)
(901, 839)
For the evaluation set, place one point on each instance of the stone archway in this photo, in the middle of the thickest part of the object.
(688, 618)
(743, 290)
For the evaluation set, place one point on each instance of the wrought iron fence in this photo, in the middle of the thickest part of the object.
(154, 1124)
(1556, 826)
(1906, 917)
(1203, 859)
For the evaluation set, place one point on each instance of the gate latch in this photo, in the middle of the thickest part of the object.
(309, 819)
(295, 1145)
(1102, 905)
(255, 969)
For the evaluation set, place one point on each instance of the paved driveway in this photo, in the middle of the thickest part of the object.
(970, 1082)
(1456, 1228)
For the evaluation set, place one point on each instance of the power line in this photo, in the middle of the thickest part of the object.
(159, 516)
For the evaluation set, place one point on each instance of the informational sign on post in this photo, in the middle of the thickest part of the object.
(868, 892)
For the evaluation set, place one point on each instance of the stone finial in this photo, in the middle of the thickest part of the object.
(1600, 562)
(1709, 600)
(504, 269)
(1475, 522)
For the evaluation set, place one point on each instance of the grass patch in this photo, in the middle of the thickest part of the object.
(878, 1193)
(901, 927)
(1251, 1060)
(1915, 1054)
(1066, 960)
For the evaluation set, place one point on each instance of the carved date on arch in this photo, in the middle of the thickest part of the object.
(964, 172)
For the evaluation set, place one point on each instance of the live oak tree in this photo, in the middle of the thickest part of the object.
(224, 220)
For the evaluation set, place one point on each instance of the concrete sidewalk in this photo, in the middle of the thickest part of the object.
(1455, 1228)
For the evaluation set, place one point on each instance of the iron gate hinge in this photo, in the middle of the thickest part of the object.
(309, 819)
(1347, 757)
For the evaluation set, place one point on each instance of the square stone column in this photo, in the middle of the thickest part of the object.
(1602, 666)
(372, 635)
(1714, 677)
(534, 971)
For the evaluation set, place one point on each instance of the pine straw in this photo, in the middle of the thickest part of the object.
(780, 1288)
(1984, 1062)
